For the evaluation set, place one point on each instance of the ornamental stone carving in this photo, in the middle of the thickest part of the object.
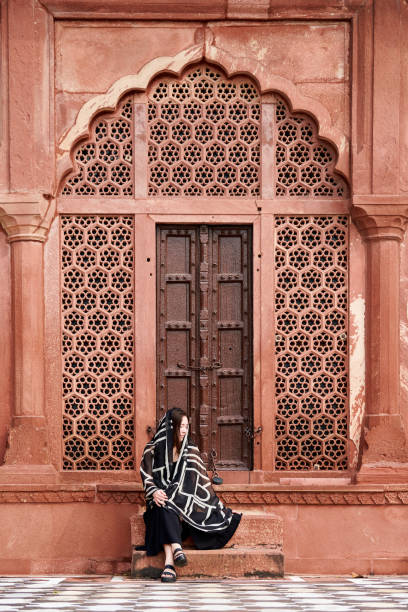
(91, 494)
(26, 216)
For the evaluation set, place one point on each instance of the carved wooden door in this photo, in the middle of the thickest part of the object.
(204, 329)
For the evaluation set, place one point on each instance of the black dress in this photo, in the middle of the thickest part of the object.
(163, 526)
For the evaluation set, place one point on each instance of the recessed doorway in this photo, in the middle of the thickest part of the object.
(204, 335)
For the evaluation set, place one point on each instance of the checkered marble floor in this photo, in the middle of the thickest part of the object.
(119, 594)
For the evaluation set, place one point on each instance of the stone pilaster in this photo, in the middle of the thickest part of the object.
(26, 219)
(382, 225)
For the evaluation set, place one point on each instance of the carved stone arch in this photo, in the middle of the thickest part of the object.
(176, 65)
(270, 82)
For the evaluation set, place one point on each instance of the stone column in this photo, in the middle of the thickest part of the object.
(385, 448)
(26, 219)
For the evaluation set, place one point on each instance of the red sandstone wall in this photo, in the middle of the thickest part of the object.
(403, 175)
(404, 333)
(95, 538)
(6, 374)
(313, 56)
(327, 60)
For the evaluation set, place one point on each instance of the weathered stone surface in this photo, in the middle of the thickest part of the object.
(93, 68)
(260, 530)
(235, 563)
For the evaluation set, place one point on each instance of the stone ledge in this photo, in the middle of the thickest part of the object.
(199, 10)
(227, 562)
(265, 495)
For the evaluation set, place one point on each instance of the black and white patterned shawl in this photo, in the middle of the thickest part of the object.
(189, 491)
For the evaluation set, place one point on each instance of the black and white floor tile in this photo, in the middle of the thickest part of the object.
(121, 594)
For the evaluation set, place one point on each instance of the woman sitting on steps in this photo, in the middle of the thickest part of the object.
(180, 500)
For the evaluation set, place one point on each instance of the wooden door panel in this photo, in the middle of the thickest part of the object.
(177, 319)
(204, 335)
(178, 392)
(177, 347)
(231, 344)
(178, 251)
(229, 253)
(178, 300)
(229, 395)
(230, 300)
(231, 442)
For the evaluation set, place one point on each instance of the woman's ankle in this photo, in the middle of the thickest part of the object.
(168, 554)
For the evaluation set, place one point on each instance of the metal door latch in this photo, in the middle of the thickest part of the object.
(215, 365)
(251, 433)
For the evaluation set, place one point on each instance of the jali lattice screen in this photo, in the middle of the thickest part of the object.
(203, 139)
(204, 135)
(103, 164)
(311, 342)
(304, 163)
(97, 344)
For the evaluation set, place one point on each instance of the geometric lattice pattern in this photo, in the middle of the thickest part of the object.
(311, 342)
(204, 139)
(304, 163)
(103, 164)
(97, 342)
(204, 135)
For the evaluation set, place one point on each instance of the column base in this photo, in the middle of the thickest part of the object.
(383, 473)
(385, 439)
(385, 458)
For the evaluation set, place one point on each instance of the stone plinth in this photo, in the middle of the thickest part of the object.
(228, 562)
(258, 530)
(254, 551)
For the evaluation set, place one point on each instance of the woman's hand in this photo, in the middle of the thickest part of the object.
(160, 497)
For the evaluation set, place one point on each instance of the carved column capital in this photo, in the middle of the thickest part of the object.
(26, 216)
(380, 217)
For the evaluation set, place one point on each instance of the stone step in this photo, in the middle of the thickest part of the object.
(255, 530)
(240, 562)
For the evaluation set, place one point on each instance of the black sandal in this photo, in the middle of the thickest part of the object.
(179, 557)
(167, 576)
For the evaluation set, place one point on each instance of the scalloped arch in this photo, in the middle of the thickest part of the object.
(176, 65)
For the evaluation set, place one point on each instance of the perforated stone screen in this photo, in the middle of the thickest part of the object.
(104, 162)
(204, 135)
(97, 343)
(304, 163)
(311, 342)
(203, 140)
(201, 136)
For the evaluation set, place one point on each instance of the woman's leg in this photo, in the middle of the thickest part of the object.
(168, 552)
(169, 572)
(172, 538)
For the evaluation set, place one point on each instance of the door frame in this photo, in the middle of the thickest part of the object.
(145, 327)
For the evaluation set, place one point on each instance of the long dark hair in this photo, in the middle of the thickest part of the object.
(177, 415)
